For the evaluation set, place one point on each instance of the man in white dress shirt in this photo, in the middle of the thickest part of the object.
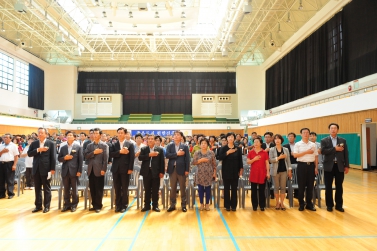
(307, 167)
(8, 163)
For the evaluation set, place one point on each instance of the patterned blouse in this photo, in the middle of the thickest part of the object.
(205, 171)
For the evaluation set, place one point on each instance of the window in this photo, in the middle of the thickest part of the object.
(22, 78)
(6, 72)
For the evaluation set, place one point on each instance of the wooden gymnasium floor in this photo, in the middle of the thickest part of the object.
(356, 229)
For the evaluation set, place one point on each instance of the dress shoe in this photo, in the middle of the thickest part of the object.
(184, 209)
(311, 208)
(255, 209)
(329, 209)
(340, 209)
(36, 210)
(65, 209)
(92, 209)
(123, 210)
(10, 197)
(46, 210)
(98, 210)
(262, 208)
(227, 209)
(73, 209)
(144, 209)
(117, 209)
(234, 209)
(156, 209)
(171, 209)
(2, 196)
(301, 208)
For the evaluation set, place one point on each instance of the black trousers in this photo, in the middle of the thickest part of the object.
(329, 178)
(255, 193)
(68, 183)
(121, 182)
(39, 181)
(151, 187)
(305, 179)
(230, 193)
(6, 177)
(96, 185)
(29, 177)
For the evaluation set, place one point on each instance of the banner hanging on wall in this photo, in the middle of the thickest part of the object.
(162, 133)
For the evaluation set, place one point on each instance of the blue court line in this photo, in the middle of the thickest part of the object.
(200, 226)
(138, 230)
(116, 223)
(228, 229)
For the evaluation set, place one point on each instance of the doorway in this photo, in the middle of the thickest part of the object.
(369, 145)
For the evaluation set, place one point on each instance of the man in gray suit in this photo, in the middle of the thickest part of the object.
(335, 162)
(71, 156)
(97, 154)
(178, 168)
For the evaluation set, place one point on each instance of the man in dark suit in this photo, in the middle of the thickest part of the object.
(290, 146)
(152, 169)
(178, 168)
(268, 142)
(104, 140)
(71, 155)
(83, 139)
(123, 154)
(87, 142)
(44, 153)
(335, 163)
(97, 154)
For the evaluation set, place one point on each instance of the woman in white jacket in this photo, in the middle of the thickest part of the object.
(281, 167)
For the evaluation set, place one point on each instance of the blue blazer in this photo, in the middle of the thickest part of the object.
(182, 162)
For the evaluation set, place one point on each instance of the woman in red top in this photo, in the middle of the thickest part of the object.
(259, 170)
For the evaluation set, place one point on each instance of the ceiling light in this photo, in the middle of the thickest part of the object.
(247, 9)
(18, 36)
(172, 57)
(289, 17)
(134, 26)
(110, 24)
(2, 27)
(132, 58)
(300, 7)
(130, 14)
(156, 15)
(183, 25)
(183, 15)
(104, 14)
(91, 57)
(20, 6)
(112, 57)
(158, 25)
(60, 38)
(77, 52)
(224, 52)
(212, 58)
(231, 40)
(183, 3)
(30, 45)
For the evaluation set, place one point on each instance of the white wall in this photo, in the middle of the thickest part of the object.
(60, 85)
(251, 88)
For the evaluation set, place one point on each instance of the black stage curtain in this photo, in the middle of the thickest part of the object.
(36, 97)
(157, 92)
(342, 50)
(360, 49)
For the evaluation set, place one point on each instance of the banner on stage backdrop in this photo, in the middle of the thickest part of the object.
(162, 133)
